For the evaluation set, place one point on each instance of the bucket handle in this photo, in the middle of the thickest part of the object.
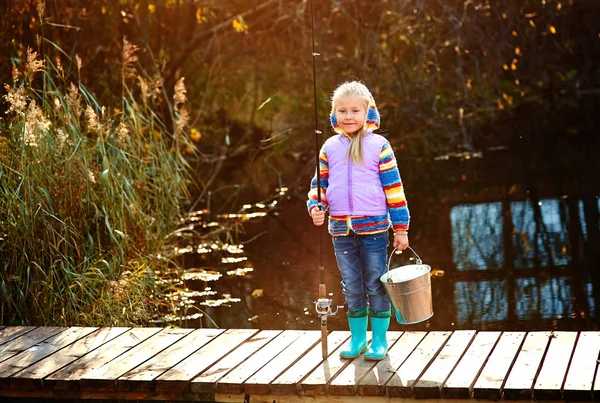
(419, 261)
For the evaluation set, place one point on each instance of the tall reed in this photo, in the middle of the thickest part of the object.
(87, 194)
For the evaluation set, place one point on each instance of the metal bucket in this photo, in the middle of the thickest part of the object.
(409, 289)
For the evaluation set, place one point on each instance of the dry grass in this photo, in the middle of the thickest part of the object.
(88, 194)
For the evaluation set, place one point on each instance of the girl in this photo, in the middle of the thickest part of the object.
(362, 189)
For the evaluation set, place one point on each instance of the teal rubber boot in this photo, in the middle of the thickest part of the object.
(358, 322)
(380, 322)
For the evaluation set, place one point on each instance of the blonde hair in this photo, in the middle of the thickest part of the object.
(354, 89)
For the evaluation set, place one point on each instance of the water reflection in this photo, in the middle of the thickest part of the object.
(257, 268)
(542, 244)
(477, 236)
(481, 301)
(551, 299)
(477, 242)
(488, 301)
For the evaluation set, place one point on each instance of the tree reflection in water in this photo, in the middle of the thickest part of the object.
(543, 285)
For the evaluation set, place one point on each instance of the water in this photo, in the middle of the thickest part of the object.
(270, 280)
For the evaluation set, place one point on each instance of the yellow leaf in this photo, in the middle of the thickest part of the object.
(257, 293)
(103, 10)
(500, 106)
(195, 135)
(552, 29)
(532, 23)
(201, 15)
(518, 52)
(437, 273)
(505, 66)
(514, 33)
(151, 8)
(513, 66)
(239, 25)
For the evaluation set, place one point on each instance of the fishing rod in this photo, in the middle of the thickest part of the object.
(322, 304)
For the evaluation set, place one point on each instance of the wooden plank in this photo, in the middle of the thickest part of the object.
(141, 378)
(32, 375)
(206, 382)
(490, 381)
(179, 377)
(107, 374)
(27, 340)
(69, 375)
(400, 384)
(9, 333)
(259, 382)
(233, 381)
(345, 382)
(42, 350)
(580, 378)
(289, 381)
(430, 383)
(228, 398)
(549, 382)
(100, 396)
(463, 377)
(520, 379)
(373, 383)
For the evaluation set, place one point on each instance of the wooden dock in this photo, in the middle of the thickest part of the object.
(247, 365)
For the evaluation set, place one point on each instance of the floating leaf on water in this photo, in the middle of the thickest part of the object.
(181, 251)
(188, 294)
(242, 271)
(257, 293)
(437, 273)
(174, 318)
(253, 319)
(233, 259)
(219, 302)
(201, 275)
(234, 248)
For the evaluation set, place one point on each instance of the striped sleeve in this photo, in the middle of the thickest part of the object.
(313, 200)
(393, 188)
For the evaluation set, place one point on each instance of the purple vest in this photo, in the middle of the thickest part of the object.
(355, 189)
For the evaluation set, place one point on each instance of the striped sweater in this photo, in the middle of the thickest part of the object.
(395, 199)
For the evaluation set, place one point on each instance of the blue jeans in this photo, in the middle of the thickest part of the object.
(362, 260)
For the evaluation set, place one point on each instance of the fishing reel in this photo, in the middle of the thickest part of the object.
(323, 308)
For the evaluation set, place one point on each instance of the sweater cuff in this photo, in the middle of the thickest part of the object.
(400, 227)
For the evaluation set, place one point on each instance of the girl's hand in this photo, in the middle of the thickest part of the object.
(401, 241)
(318, 216)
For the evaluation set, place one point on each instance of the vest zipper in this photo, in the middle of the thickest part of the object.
(350, 202)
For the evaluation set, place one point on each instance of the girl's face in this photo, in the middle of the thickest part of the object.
(351, 113)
